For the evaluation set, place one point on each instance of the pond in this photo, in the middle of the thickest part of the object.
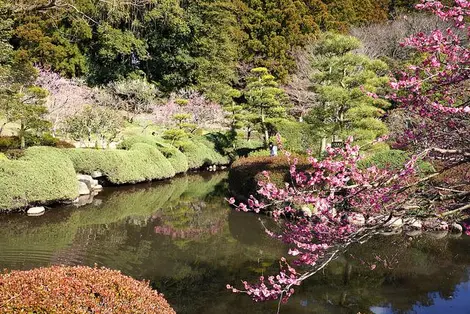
(182, 237)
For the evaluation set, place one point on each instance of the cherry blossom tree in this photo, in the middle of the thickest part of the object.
(335, 202)
(435, 91)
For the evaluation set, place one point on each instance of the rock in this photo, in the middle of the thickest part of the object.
(96, 174)
(88, 180)
(413, 224)
(36, 211)
(434, 224)
(83, 200)
(95, 183)
(395, 222)
(375, 220)
(414, 233)
(97, 187)
(357, 219)
(392, 232)
(456, 228)
(83, 188)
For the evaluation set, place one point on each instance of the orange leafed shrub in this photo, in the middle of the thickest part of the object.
(61, 289)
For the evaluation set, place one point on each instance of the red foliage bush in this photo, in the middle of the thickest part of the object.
(61, 289)
(246, 172)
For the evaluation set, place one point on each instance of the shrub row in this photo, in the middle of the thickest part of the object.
(142, 162)
(176, 158)
(42, 175)
(61, 289)
(14, 142)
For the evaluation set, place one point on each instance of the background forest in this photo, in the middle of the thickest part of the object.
(98, 71)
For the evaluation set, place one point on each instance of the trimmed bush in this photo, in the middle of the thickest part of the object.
(394, 159)
(297, 137)
(246, 172)
(141, 163)
(201, 152)
(42, 175)
(61, 289)
(177, 159)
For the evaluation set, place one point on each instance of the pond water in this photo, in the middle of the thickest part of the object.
(182, 236)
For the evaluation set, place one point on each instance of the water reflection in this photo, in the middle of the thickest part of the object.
(182, 236)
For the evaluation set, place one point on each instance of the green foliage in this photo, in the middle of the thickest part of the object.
(296, 136)
(273, 29)
(201, 152)
(342, 83)
(177, 159)
(394, 159)
(140, 163)
(41, 176)
(264, 98)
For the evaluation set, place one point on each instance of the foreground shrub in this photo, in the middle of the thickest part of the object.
(177, 159)
(42, 175)
(142, 162)
(60, 289)
(201, 152)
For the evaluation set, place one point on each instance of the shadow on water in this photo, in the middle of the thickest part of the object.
(182, 236)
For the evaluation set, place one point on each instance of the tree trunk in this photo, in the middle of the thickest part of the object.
(323, 145)
(263, 128)
(21, 134)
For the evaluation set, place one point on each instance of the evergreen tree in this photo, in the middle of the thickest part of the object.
(264, 99)
(344, 83)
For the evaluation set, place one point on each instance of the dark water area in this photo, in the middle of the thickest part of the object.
(182, 237)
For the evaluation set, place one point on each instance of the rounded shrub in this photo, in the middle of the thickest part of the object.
(200, 152)
(176, 158)
(42, 175)
(142, 162)
(61, 289)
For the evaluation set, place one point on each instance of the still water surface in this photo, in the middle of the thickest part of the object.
(182, 236)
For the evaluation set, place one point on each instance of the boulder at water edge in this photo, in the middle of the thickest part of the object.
(36, 211)
(83, 188)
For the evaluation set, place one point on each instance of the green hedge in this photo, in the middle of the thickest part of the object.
(394, 159)
(42, 175)
(296, 136)
(201, 152)
(176, 158)
(142, 162)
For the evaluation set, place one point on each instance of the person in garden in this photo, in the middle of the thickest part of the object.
(272, 149)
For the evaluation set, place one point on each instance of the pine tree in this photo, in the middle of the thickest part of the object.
(344, 83)
(264, 99)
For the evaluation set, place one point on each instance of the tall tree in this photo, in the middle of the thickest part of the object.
(344, 83)
(264, 98)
